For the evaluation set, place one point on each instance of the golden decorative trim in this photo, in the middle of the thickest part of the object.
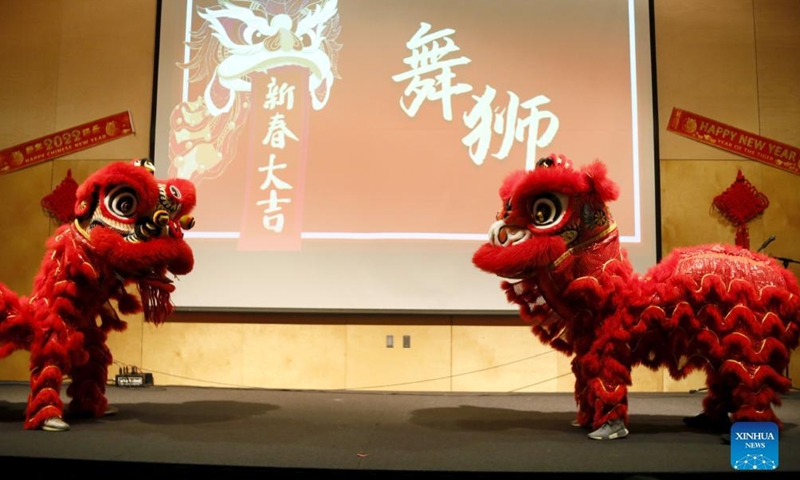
(48, 368)
(80, 229)
(611, 227)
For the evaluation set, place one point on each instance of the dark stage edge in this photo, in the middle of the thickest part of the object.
(178, 430)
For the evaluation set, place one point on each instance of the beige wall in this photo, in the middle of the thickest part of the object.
(66, 63)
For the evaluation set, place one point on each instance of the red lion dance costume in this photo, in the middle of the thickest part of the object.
(125, 230)
(725, 310)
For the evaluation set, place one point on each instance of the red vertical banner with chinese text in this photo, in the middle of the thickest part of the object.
(272, 214)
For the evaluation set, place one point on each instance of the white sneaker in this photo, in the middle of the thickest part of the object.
(610, 431)
(55, 424)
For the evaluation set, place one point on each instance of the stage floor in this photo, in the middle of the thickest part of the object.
(252, 431)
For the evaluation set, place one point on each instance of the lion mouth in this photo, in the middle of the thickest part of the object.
(525, 294)
(535, 310)
(155, 293)
(159, 282)
(125, 230)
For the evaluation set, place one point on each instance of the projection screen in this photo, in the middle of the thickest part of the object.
(348, 153)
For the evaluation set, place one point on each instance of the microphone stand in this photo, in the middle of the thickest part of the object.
(785, 261)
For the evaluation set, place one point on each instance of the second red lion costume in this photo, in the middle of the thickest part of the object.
(721, 309)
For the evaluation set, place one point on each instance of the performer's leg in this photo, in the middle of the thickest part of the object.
(585, 414)
(607, 368)
(716, 404)
(88, 386)
(49, 361)
(754, 396)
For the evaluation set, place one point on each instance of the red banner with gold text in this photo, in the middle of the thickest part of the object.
(66, 141)
(274, 189)
(734, 140)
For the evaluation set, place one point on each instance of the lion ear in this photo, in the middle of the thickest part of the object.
(509, 182)
(85, 197)
(597, 173)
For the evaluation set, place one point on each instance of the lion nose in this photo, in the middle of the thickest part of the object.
(501, 234)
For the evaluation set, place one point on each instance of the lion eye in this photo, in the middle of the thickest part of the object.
(122, 201)
(175, 191)
(547, 209)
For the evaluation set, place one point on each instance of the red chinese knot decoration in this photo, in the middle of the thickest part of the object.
(740, 203)
(59, 203)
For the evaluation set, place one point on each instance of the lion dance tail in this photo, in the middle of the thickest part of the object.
(16, 329)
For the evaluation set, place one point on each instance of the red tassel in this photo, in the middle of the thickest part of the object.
(743, 236)
(155, 303)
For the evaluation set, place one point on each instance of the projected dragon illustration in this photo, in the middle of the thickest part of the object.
(234, 44)
(724, 310)
(123, 230)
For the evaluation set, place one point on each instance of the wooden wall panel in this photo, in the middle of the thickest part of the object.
(29, 34)
(695, 381)
(26, 228)
(29, 56)
(199, 354)
(645, 380)
(783, 220)
(777, 47)
(706, 64)
(106, 66)
(424, 366)
(295, 356)
(503, 359)
(14, 368)
(778, 67)
(127, 346)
